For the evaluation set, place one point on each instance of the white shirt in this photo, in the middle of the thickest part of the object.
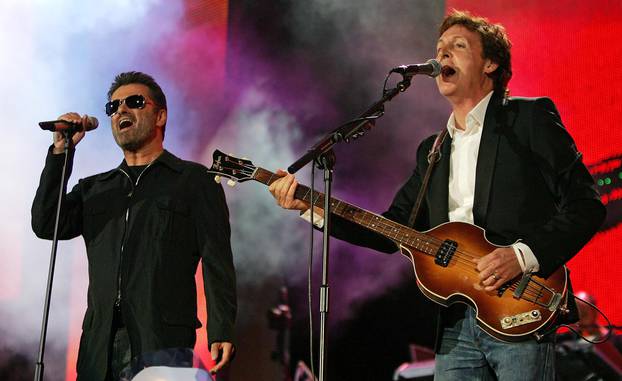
(463, 160)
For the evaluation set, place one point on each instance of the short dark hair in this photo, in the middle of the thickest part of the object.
(495, 44)
(132, 77)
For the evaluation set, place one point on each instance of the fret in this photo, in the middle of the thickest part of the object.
(396, 232)
(305, 197)
(270, 179)
(318, 199)
(335, 206)
(262, 176)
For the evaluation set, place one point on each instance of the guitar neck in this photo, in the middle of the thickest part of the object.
(392, 230)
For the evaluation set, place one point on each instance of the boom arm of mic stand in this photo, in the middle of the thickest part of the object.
(350, 129)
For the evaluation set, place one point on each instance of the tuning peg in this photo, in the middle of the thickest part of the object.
(217, 179)
(231, 183)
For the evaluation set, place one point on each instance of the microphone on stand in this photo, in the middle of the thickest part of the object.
(431, 68)
(63, 125)
(67, 129)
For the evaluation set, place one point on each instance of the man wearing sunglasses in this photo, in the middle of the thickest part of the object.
(146, 225)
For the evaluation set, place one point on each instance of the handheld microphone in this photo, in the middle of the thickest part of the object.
(431, 67)
(63, 125)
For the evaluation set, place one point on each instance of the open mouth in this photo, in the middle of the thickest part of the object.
(447, 72)
(125, 123)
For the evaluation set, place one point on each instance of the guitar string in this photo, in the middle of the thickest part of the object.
(462, 257)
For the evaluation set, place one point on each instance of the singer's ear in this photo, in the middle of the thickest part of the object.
(490, 66)
(161, 118)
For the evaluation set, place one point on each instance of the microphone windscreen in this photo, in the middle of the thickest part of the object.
(436, 67)
(92, 124)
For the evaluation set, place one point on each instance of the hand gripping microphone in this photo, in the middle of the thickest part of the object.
(63, 125)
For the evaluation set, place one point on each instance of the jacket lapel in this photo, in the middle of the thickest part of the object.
(486, 159)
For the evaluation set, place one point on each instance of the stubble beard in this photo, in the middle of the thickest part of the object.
(135, 139)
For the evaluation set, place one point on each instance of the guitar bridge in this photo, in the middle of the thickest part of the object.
(445, 252)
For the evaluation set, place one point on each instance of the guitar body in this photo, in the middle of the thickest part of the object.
(455, 283)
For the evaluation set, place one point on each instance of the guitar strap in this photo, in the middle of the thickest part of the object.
(433, 157)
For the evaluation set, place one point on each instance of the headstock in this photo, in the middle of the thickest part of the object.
(231, 167)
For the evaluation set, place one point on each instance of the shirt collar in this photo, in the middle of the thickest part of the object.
(477, 114)
(165, 158)
(170, 160)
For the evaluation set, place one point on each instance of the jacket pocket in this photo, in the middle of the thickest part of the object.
(173, 220)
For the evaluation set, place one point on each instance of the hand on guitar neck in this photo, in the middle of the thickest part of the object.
(283, 191)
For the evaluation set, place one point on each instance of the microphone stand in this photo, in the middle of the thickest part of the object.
(39, 368)
(324, 157)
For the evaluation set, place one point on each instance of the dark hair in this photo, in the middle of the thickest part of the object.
(133, 77)
(495, 43)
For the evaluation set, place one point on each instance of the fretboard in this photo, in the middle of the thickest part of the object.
(396, 232)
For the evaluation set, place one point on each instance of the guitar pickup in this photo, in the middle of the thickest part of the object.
(445, 252)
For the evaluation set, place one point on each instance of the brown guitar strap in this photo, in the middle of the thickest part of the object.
(433, 157)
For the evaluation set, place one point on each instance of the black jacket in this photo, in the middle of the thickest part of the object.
(144, 240)
(530, 184)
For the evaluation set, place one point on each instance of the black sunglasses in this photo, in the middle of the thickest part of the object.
(133, 101)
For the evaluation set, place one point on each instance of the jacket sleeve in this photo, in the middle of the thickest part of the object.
(45, 202)
(580, 211)
(214, 242)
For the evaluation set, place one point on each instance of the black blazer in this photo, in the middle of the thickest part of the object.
(144, 242)
(531, 184)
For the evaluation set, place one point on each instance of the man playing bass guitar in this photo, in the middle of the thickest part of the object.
(507, 165)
